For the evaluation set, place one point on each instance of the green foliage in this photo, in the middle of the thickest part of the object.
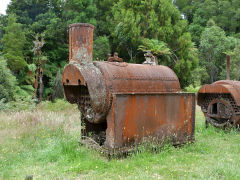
(76, 11)
(20, 104)
(13, 41)
(32, 67)
(210, 23)
(213, 46)
(156, 47)
(186, 59)
(200, 76)
(55, 35)
(3, 24)
(8, 82)
(58, 105)
(50, 69)
(43, 17)
(104, 17)
(57, 86)
(234, 64)
(101, 48)
(27, 10)
(26, 90)
(12, 96)
(162, 21)
(186, 8)
(192, 89)
(225, 13)
(128, 27)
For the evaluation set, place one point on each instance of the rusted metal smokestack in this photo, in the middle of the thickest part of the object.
(228, 67)
(81, 42)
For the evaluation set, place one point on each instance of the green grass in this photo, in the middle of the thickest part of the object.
(44, 144)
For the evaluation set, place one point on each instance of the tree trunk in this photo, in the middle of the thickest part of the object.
(40, 86)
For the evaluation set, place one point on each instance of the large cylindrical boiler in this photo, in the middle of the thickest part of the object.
(123, 103)
(91, 84)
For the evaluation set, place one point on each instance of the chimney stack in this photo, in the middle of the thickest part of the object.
(81, 42)
(228, 67)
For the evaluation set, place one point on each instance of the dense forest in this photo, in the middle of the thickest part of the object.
(192, 37)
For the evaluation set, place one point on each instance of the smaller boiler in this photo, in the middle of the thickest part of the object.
(220, 101)
(121, 103)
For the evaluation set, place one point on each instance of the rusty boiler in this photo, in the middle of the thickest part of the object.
(123, 104)
(220, 102)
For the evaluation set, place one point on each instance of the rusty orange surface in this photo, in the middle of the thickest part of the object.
(133, 117)
(105, 78)
(127, 77)
(80, 42)
(127, 102)
(221, 87)
(72, 76)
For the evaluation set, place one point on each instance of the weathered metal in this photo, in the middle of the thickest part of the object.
(115, 58)
(220, 103)
(150, 59)
(80, 42)
(228, 67)
(153, 116)
(123, 103)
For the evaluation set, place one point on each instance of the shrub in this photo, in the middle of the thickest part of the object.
(101, 48)
(57, 87)
(19, 104)
(8, 82)
(192, 88)
(56, 106)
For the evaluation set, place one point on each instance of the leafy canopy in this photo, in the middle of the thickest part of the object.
(158, 48)
(226, 14)
(214, 44)
(154, 19)
(7, 82)
(13, 41)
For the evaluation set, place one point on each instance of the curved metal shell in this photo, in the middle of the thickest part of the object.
(102, 79)
(87, 75)
(138, 78)
(221, 87)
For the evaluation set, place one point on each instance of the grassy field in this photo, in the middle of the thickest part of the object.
(44, 143)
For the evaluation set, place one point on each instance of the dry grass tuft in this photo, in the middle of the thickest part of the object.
(20, 123)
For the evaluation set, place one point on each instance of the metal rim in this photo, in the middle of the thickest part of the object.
(216, 120)
(81, 25)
